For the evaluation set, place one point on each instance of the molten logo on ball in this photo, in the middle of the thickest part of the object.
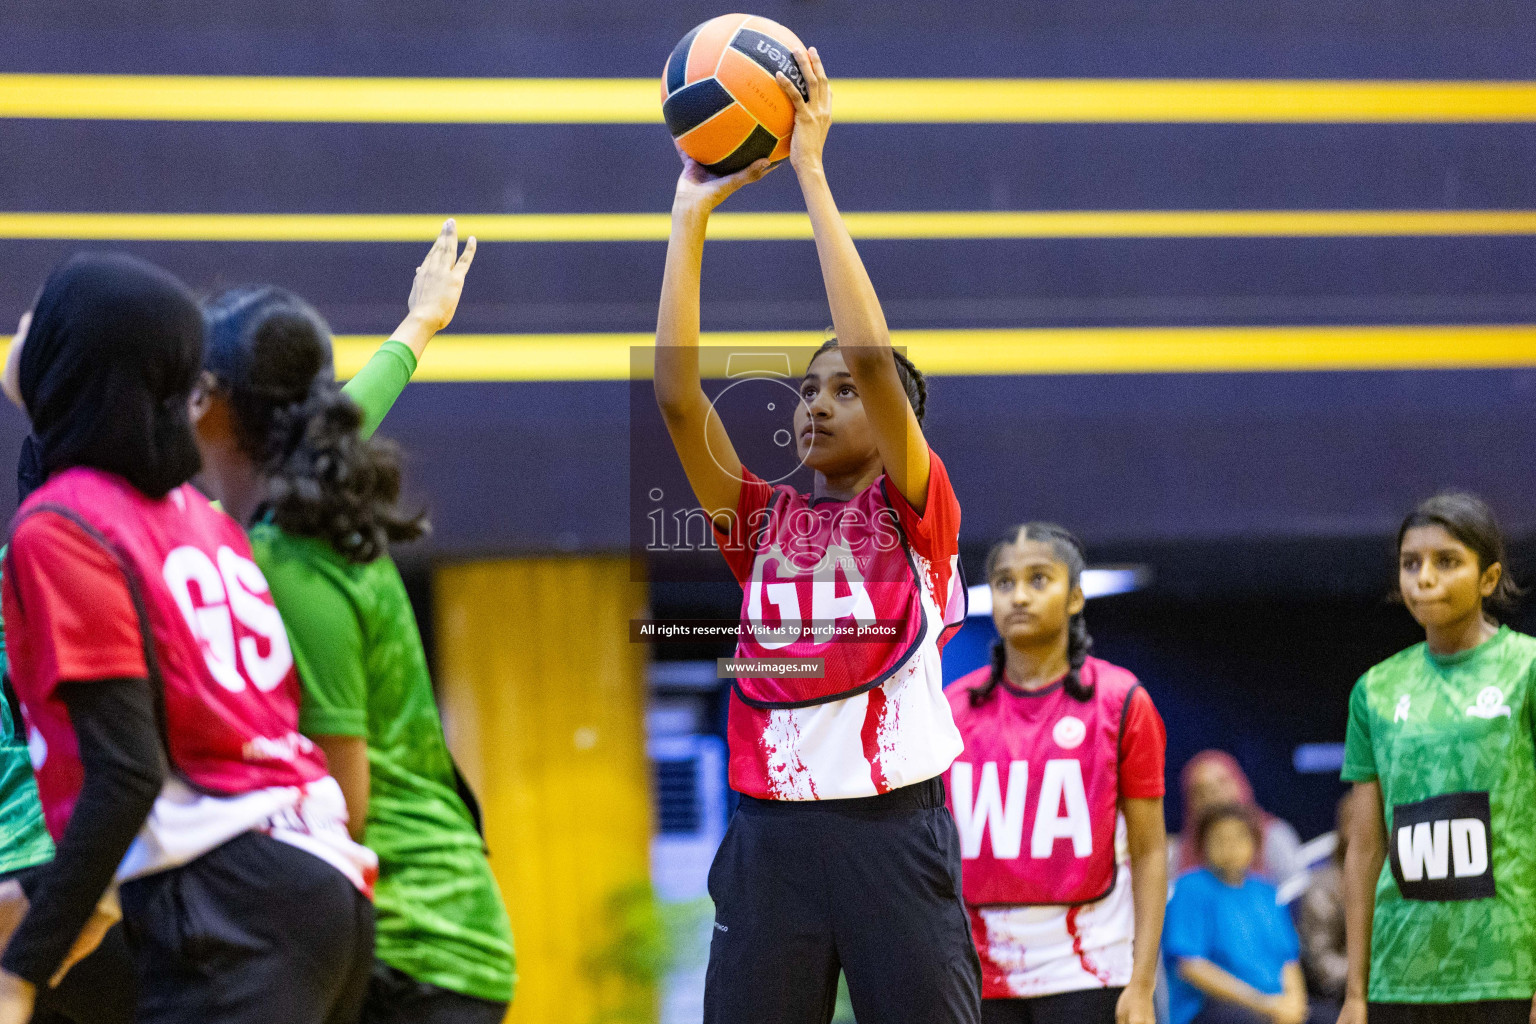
(720, 98)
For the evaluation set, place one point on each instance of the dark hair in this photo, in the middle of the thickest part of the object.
(1212, 816)
(270, 352)
(912, 379)
(1469, 519)
(1068, 550)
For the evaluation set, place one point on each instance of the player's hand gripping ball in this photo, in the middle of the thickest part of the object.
(720, 97)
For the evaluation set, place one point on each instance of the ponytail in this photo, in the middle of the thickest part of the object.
(330, 483)
(271, 353)
(980, 694)
(1069, 551)
(1079, 644)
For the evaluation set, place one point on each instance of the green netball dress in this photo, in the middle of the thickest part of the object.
(24, 839)
(1450, 740)
(363, 671)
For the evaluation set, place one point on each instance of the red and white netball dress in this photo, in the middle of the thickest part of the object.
(103, 582)
(875, 590)
(1035, 797)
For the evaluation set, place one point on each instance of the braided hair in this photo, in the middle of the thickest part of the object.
(1067, 550)
(912, 379)
(270, 352)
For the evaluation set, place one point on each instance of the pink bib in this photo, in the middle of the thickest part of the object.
(214, 643)
(1035, 794)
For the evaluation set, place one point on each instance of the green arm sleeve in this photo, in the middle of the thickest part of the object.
(1359, 757)
(327, 640)
(380, 382)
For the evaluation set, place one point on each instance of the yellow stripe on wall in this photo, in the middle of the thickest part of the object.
(867, 100)
(983, 352)
(577, 357)
(654, 227)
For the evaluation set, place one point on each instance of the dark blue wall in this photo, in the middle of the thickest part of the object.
(1262, 500)
(1099, 38)
(1132, 460)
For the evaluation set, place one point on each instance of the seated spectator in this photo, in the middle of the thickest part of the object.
(1211, 778)
(1231, 949)
(1320, 922)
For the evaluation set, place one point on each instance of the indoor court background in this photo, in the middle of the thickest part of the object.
(1224, 287)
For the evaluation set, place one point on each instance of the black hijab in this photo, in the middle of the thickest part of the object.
(106, 370)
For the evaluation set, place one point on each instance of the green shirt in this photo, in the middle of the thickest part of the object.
(24, 839)
(1451, 741)
(355, 643)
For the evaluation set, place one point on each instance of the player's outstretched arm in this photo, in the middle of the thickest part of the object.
(863, 337)
(703, 447)
(434, 299)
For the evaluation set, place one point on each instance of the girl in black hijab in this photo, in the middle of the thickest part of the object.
(102, 364)
(110, 391)
(105, 371)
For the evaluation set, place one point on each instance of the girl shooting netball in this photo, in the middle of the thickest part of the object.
(841, 854)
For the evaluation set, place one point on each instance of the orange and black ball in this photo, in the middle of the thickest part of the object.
(720, 97)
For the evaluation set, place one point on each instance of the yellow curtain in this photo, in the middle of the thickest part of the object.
(543, 698)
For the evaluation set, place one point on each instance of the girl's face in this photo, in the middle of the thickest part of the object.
(213, 419)
(832, 433)
(1229, 848)
(1439, 578)
(1033, 599)
(1211, 784)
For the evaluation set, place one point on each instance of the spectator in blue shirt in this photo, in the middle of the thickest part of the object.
(1232, 953)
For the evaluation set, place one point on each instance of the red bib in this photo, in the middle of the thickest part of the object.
(833, 580)
(214, 643)
(1035, 794)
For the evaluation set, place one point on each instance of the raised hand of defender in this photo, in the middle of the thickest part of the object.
(440, 279)
(813, 116)
(699, 190)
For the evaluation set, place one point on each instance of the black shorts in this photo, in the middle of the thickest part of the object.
(870, 887)
(395, 997)
(252, 932)
(1493, 1011)
(1085, 1006)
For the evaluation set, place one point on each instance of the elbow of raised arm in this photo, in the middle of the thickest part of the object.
(678, 404)
(668, 400)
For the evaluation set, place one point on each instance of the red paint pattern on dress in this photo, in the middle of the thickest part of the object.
(794, 766)
(1077, 947)
(874, 724)
(994, 980)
